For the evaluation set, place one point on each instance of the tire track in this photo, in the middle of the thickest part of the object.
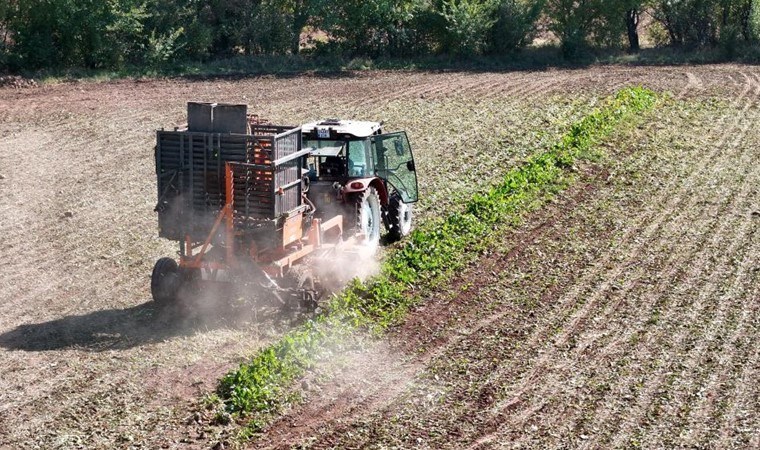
(745, 196)
(698, 362)
(699, 311)
(652, 218)
(66, 242)
(491, 323)
(72, 275)
(417, 88)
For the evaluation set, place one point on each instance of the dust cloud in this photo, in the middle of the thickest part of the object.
(336, 269)
(251, 297)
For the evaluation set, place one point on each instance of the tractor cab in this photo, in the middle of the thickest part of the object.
(344, 150)
(353, 162)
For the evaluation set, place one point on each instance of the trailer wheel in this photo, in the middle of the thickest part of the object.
(368, 218)
(165, 281)
(399, 218)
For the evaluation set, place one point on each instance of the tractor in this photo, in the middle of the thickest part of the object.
(367, 176)
(255, 207)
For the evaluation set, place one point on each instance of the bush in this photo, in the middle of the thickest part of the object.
(701, 23)
(58, 32)
(729, 40)
(515, 25)
(172, 30)
(689, 22)
(753, 21)
(117, 33)
(572, 22)
(255, 27)
(374, 27)
(114, 34)
(467, 25)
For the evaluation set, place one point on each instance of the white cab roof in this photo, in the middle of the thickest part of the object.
(356, 128)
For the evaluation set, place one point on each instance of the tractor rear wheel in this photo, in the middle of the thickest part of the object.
(368, 218)
(165, 281)
(399, 218)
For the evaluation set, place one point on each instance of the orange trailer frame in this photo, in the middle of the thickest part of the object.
(275, 262)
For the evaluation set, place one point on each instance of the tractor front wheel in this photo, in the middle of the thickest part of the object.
(399, 219)
(367, 207)
(165, 282)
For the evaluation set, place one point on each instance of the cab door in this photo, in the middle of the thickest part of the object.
(394, 163)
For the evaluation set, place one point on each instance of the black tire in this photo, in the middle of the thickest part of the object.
(165, 282)
(399, 218)
(368, 217)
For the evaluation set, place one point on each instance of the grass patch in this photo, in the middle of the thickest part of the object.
(258, 389)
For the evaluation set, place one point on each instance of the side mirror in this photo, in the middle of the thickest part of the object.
(410, 166)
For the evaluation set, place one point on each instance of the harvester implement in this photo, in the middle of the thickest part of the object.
(257, 206)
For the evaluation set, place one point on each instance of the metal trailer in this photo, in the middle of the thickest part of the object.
(230, 193)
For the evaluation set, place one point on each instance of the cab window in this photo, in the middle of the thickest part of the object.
(360, 159)
(328, 160)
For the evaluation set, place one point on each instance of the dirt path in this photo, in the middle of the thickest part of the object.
(86, 361)
(623, 316)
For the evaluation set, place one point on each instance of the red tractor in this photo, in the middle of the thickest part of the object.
(367, 176)
(255, 206)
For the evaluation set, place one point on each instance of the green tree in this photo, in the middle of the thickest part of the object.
(688, 22)
(632, 17)
(372, 27)
(50, 33)
(753, 21)
(699, 23)
(301, 12)
(573, 21)
(515, 24)
(734, 25)
(468, 24)
(6, 8)
(621, 18)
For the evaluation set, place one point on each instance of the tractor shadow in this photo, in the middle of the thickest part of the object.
(121, 329)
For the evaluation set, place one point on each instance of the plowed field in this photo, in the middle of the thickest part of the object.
(623, 314)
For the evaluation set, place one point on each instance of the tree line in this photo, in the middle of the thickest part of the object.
(112, 34)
